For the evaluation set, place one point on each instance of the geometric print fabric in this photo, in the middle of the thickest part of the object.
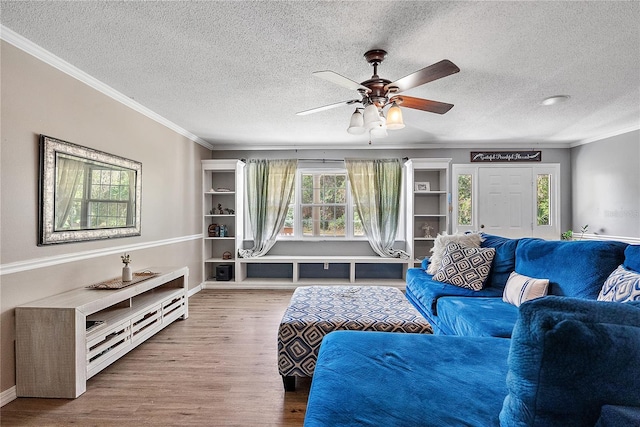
(465, 267)
(622, 285)
(314, 311)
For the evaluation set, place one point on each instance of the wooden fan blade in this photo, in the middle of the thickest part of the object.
(327, 107)
(428, 74)
(336, 78)
(422, 104)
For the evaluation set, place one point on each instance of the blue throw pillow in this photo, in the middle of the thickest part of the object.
(632, 258)
(568, 358)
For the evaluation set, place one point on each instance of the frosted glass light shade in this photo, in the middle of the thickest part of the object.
(379, 131)
(371, 117)
(394, 117)
(356, 126)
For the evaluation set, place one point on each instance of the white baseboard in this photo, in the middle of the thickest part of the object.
(7, 396)
(194, 291)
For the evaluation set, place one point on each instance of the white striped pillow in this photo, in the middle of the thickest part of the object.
(521, 288)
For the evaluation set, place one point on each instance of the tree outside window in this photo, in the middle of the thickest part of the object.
(325, 208)
(543, 183)
(464, 199)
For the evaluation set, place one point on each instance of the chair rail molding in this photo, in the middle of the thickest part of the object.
(32, 264)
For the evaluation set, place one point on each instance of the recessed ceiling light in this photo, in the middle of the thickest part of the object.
(555, 99)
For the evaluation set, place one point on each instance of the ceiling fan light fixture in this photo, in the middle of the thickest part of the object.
(356, 126)
(394, 117)
(379, 131)
(371, 117)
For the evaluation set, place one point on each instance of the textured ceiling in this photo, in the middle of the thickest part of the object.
(235, 73)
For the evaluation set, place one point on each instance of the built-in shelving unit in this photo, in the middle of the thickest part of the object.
(428, 210)
(222, 217)
(65, 339)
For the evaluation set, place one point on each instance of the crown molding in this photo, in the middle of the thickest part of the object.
(47, 57)
(605, 136)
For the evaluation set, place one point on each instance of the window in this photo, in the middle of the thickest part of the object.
(543, 183)
(465, 199)
(321, 207)
(102, 200)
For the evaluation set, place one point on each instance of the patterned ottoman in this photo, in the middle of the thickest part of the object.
(314, 311)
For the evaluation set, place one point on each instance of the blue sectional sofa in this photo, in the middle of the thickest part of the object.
(574, 269)
(571, 360)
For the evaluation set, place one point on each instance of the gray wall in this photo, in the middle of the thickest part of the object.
(39, 99)
(606, 189)
(458, 156)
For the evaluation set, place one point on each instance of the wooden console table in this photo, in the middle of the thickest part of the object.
(65, 339)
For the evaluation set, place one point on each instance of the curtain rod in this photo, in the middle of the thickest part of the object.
(322, 160)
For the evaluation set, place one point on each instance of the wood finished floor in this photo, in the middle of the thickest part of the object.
(217, 368)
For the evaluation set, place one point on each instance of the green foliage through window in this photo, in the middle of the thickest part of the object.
(464, 199)
(323, 202)
(543, 182)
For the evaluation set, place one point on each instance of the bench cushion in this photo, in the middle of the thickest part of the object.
(380, 379)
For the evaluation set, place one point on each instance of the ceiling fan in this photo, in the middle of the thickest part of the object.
(376, 93)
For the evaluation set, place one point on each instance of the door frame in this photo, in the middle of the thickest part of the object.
(551, 231)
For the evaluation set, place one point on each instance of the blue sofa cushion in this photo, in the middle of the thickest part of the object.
(477, 317)
(504, 261)
(423, 291)
(386, 379)
(568, 358)
(574, 268)
(632, 258)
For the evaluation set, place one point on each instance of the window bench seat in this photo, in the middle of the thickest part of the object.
(288, 270)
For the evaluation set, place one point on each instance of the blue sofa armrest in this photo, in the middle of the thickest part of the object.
(568, 358)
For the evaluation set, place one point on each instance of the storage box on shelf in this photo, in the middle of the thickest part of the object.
(65, 339)
(222, 204)
(428, 210)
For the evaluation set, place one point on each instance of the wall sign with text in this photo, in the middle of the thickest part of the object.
(506, 156)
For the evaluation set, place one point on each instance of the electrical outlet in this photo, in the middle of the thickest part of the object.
(326, 265)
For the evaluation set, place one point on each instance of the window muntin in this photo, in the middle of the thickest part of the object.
(322, 207)
(102, 198)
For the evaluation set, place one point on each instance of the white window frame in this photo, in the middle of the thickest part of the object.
(297, 211)
(551, 231)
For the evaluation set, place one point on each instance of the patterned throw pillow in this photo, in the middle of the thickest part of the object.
(621, 286)
(465, 267)
(467, 240)
(521, 288)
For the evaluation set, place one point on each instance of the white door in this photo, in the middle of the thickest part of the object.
(505, 201)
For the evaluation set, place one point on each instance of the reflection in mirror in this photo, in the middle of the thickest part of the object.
(86, 194)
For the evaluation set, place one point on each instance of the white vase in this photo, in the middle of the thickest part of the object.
(127, 276)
